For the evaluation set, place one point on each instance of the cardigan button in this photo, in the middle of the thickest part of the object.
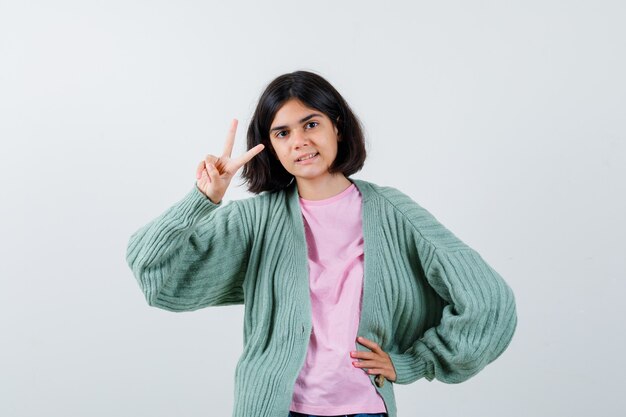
(380, 380)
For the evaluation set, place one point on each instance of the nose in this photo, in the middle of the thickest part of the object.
(299, 137)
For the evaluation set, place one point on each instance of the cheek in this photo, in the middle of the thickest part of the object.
(283, 159)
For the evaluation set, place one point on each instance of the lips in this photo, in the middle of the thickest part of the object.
(307, 155)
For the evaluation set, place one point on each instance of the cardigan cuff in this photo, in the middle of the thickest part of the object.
(408, 368)
(195, 205)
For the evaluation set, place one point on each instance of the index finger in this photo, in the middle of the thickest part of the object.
(230, 138)
(368, 343)
(243, 159)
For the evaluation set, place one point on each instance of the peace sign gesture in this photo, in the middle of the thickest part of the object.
(214, 173)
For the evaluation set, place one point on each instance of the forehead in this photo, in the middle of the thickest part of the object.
(292, 111)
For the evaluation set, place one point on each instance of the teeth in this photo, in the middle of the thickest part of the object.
(307, 157)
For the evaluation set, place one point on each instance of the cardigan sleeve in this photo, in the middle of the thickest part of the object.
(191, 256)
(476, 326)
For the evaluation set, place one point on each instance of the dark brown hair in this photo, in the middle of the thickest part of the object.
(264, 172)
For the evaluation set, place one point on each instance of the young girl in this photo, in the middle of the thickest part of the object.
(348, 287)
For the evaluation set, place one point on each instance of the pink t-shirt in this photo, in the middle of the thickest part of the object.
(328, 383)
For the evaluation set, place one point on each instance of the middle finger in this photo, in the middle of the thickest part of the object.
(367, 364)
(363, 354)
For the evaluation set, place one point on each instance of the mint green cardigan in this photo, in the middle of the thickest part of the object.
(429, 300)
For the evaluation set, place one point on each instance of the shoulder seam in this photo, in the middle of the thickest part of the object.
(242, 235)
(417, 230)
(442, 251)
(243, 242)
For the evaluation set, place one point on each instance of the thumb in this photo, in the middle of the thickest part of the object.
(212, 171)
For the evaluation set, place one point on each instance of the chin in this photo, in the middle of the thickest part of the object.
(311, 175)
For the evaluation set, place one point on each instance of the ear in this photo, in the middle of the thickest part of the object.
(339, 138)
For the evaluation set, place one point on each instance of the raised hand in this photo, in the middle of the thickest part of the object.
(214, 173)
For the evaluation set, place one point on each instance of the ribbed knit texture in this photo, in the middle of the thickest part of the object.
(429, 300)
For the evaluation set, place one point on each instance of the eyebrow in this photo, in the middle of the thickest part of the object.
(304, 119)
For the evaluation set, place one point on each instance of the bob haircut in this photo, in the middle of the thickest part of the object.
(265, 172)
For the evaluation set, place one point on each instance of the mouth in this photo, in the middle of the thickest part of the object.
(307, 157)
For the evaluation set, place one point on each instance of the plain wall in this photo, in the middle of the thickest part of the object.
(503, 119)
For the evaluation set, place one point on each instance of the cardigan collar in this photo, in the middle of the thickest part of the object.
(362, 185)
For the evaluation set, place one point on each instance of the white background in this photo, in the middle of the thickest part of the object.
(504, 119)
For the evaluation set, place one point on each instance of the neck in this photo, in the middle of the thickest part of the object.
(322, 188)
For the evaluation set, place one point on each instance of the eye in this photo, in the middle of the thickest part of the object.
(279, 134)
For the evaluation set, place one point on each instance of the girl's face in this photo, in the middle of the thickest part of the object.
(298, 132)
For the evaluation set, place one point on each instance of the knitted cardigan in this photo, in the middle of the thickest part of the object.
(429, 300)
